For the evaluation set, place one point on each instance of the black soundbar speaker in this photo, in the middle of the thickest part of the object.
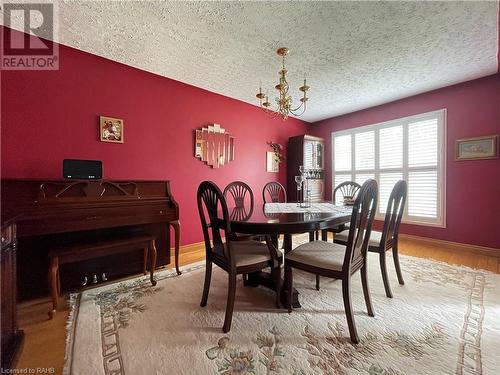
(82, 169)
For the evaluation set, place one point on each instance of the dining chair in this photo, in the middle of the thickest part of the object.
(344, 189)
(340, 262)
(234, 257)
(275, 191)
(241, 196)
(380, 242)
(240, 193)
(240, 214)
(277, 194)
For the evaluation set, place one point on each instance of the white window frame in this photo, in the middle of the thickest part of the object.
(440, 114)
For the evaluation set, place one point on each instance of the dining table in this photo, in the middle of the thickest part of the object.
(287, 219)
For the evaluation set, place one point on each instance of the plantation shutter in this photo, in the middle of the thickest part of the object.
(410, 148)
(422, 168)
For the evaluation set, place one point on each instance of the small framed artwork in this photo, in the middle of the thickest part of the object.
(477, 148)
(111, 129)
(273, 162)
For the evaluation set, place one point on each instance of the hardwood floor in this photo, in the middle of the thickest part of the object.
(449, 255)
(45, 339)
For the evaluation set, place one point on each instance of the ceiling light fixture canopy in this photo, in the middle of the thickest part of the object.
(284, 100)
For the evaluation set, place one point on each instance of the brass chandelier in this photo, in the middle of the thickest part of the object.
(284, 100)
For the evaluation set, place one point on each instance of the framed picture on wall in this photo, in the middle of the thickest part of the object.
(111, 129)
(273, 162)
(477, 148)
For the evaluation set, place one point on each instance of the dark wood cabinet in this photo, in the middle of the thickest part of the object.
(308, 151)
(11, 336)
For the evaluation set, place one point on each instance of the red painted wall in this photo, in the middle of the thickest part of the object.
(472, 187)
(49, 116)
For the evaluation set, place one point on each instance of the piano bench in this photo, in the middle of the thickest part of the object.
(90, 250)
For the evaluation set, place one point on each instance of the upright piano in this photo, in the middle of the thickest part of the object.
(60, 212)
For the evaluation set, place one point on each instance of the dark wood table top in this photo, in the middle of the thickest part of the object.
(287, 218)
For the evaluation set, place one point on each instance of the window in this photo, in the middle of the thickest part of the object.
(411, 148)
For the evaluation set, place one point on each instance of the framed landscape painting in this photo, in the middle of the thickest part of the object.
(111, 129)
(477, 148)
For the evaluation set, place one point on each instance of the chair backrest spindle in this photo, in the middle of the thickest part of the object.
(346, 189)
(275, 191)
(240, 193)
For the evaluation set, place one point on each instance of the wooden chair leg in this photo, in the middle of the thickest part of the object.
(53, 272)
(276, 275)
(275, 240)
(58, 282)
(395, 255)
(317, 282)
(366, 291)
(231, 294)
(153, 263)
(311, 236)
(206, 285)
(144, 264)
(247, 281)
(346, 295)
(289, 284)
(385, 278)
(177, 232)
(287, 243)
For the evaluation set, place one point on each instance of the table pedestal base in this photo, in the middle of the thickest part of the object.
(264, 279)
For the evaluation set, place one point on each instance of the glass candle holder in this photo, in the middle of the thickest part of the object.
(298, 181)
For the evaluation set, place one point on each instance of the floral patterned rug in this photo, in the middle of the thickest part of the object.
(444, 320)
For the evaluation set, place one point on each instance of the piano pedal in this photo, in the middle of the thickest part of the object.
(94, 279)
(104, 278)
(85, 281)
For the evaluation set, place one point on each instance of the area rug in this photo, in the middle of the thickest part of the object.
(444, 320)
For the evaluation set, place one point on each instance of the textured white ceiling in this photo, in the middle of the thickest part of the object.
(355, 54)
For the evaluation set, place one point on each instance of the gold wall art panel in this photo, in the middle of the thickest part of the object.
(214, 146)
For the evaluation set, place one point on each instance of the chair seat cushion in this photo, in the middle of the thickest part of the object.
(320, 254)
(375, 237)
(246, 253)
